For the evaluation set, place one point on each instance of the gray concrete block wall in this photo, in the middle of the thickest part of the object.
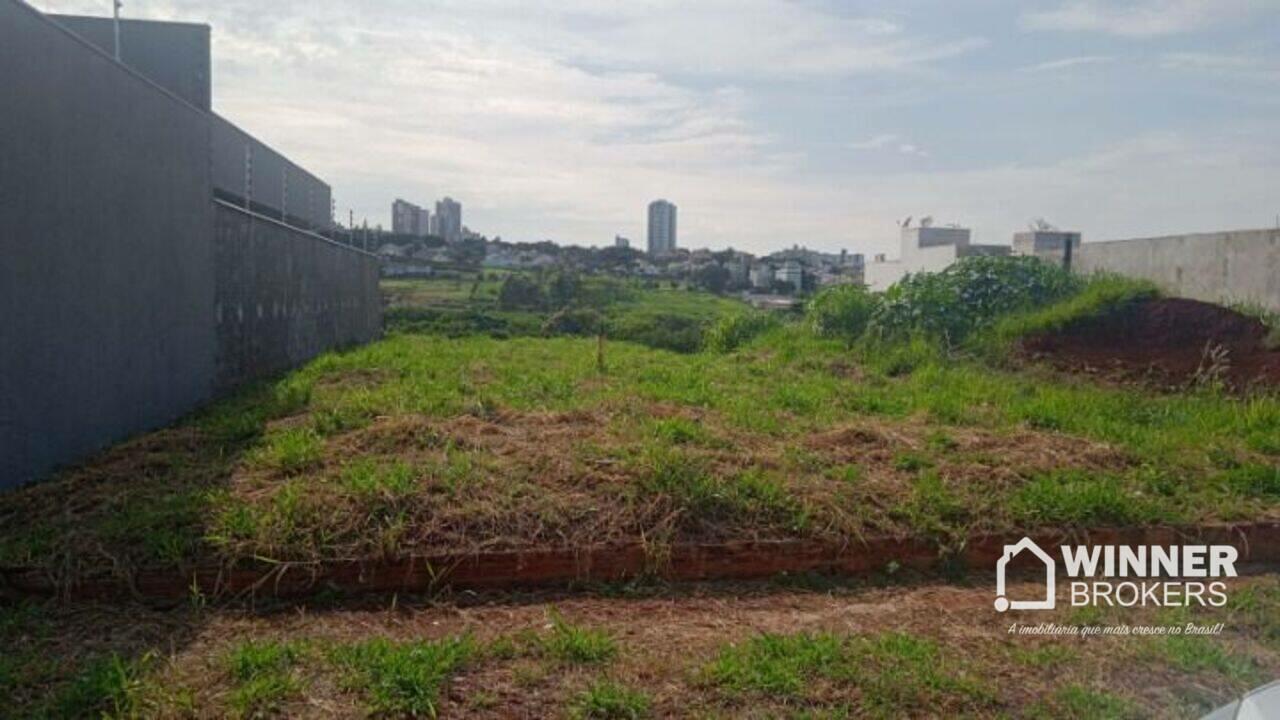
(170, 54)
(106, 287)
(285, 296)
(1224, 267)
(276, 186)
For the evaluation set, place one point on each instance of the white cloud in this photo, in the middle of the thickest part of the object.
(563, 120)
(888, 141)
(874, 143)
(1067, 63)
(1139, 18)
(1246, 67)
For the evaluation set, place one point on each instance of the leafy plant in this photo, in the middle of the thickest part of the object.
(734, 331)
(971, 294)
(841, 312)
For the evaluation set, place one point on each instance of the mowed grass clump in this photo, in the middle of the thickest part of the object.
(570, 644)
(263, 675)
(608, 700)
(888, 675)
(402, 679)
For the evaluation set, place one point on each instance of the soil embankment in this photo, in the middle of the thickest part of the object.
(1170, 342)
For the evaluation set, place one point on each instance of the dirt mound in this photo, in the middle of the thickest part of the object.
(1171, 342)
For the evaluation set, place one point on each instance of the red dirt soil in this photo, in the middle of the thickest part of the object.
(1170, 342)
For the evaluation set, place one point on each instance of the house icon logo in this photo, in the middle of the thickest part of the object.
(1003, 603)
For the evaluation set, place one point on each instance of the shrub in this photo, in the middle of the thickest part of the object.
(573, 321)
(971, 294)
(664, 331)
(841, 312)
(564, 289)
(454, 323)
(520, 293)
(734, 331)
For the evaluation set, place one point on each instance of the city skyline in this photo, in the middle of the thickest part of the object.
(558, 123)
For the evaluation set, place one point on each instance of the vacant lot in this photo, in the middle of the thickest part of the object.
(494, 419)
(425, 443)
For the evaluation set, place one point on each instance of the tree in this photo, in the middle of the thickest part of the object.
(712, 277)
(520, 293)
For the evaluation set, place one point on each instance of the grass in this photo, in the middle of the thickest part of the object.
(570, 644)
(608, 700)
(1073, 702)
(934, 651)
(1101, 294)
(263, 678)
(402, 679)
(895, 673)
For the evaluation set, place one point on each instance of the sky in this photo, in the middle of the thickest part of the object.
(769, 123)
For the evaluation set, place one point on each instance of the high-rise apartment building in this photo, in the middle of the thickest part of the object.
(409, 219)
(662, 227)
(449, 219)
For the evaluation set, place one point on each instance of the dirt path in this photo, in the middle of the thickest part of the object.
(667, 647)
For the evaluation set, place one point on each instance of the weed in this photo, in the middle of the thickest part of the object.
(262, 672)
(1074, 702)
(402, 679)
(896, 673)
(777, 665)
(1196, 654)
(607, 700)
(571, 644)
(1083, 498)
(106, 686)
(292, 451)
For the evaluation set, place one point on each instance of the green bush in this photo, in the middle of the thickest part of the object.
(520, 293)
(841, 312)
(564, 289)
(573, 321)
(969, 295)
(734, 331)
(663, 331)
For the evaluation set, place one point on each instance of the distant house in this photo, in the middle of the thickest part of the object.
(762, 276)
(792, 272)
(926, 249)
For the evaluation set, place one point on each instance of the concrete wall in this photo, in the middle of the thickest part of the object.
(285, 296)
(1241, 265)
(106, 231)
(175, 56)
(1039, 242)
(275, 186)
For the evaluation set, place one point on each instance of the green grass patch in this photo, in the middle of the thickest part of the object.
(608, 700)
(897, 674)
(262, 676)
(402, 679)
(570, 644)
(1074, 702)
(291, 451)
(1101, 294)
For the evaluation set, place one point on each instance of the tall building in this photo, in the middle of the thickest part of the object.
(409, 219)
(449, 219)
(662, 227)
(621, 242)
